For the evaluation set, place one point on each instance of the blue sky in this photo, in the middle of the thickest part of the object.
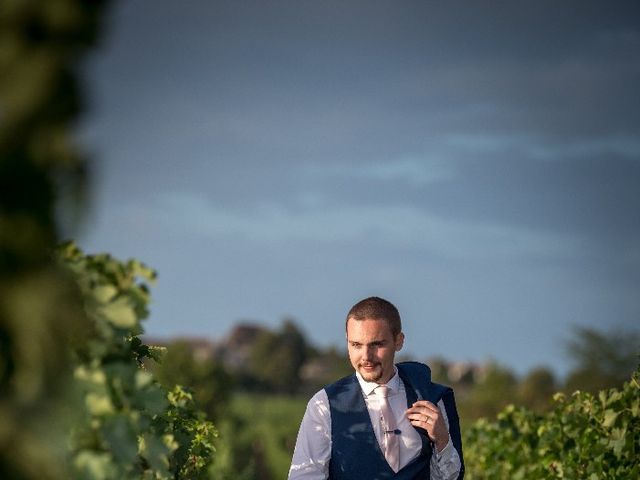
(476, 164)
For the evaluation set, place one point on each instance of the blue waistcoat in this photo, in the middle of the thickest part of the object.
(355, 453)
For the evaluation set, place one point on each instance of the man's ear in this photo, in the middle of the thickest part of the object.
(399, 341)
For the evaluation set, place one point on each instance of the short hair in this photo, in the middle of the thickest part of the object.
(376, 308)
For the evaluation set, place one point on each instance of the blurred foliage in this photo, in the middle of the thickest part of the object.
(495, 390)
(257, 404)
(40, 45)
(236, 458)
(536, 389)
(277, 357)
(583, 436)
(41, 42)
(498, 386)
(323, 366)
(40, 318)
(206, 377)
(69, 351)
(132, 428)
(259, 435)
(602, 359)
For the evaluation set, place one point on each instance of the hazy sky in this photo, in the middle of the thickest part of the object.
(476, 163)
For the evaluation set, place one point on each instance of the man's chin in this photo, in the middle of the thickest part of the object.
(372, 375)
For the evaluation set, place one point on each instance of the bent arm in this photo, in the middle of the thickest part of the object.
(448, 464)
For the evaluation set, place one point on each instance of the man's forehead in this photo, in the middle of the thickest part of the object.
(369, 330)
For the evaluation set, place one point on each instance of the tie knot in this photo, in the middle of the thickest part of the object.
(383, 391)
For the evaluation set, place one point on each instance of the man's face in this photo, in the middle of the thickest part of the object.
(372, 348)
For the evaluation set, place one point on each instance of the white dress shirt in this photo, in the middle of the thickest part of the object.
(313, 446)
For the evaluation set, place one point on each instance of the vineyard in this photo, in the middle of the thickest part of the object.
(127, 426)
(132, 428)
(81, 395)
(582, 436)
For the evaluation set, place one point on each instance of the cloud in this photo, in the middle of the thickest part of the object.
(540, 148)
(395, 227)
(415, 171)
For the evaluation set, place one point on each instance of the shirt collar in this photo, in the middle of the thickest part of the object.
(369, 387)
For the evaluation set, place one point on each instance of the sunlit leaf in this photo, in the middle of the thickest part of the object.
(119, 313)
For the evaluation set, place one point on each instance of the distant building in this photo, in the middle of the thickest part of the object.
(461, 372)
(456, 372)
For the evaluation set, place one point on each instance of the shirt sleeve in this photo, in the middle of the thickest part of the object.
(313, 445)
(445, 465)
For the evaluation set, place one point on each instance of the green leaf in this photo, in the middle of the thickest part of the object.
(153, 400)
(156, 353)
(617, 440)
(94, 465)
(133, 429)
(104, 293)
(609, 418)
(119, 313)
(98, 404)
(156, 452)
(121, 438)
(602, 395)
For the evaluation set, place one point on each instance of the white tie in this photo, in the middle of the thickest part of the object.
(390, 430)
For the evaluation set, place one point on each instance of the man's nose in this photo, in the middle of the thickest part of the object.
(368, 352)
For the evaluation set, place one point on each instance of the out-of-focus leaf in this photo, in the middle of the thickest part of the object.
(94, 465)
(120, 313)
(121, 438)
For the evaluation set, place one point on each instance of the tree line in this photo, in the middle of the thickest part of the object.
(284, 361)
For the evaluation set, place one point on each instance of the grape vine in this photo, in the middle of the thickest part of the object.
(593, 437)
(130, 427)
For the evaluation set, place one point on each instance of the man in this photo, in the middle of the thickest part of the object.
(386, 420)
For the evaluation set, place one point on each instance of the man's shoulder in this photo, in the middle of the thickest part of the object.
(416, 369)
(319, 400)
(419, 376)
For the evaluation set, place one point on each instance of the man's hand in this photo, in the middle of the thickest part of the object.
(426, 415)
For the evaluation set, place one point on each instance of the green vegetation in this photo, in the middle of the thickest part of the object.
(271, 425)
(602, 359)
(258, 436)
(209, 381)
(583, 436)
(41, 318)
(277, 357)
(70, 358)
(130, 427)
